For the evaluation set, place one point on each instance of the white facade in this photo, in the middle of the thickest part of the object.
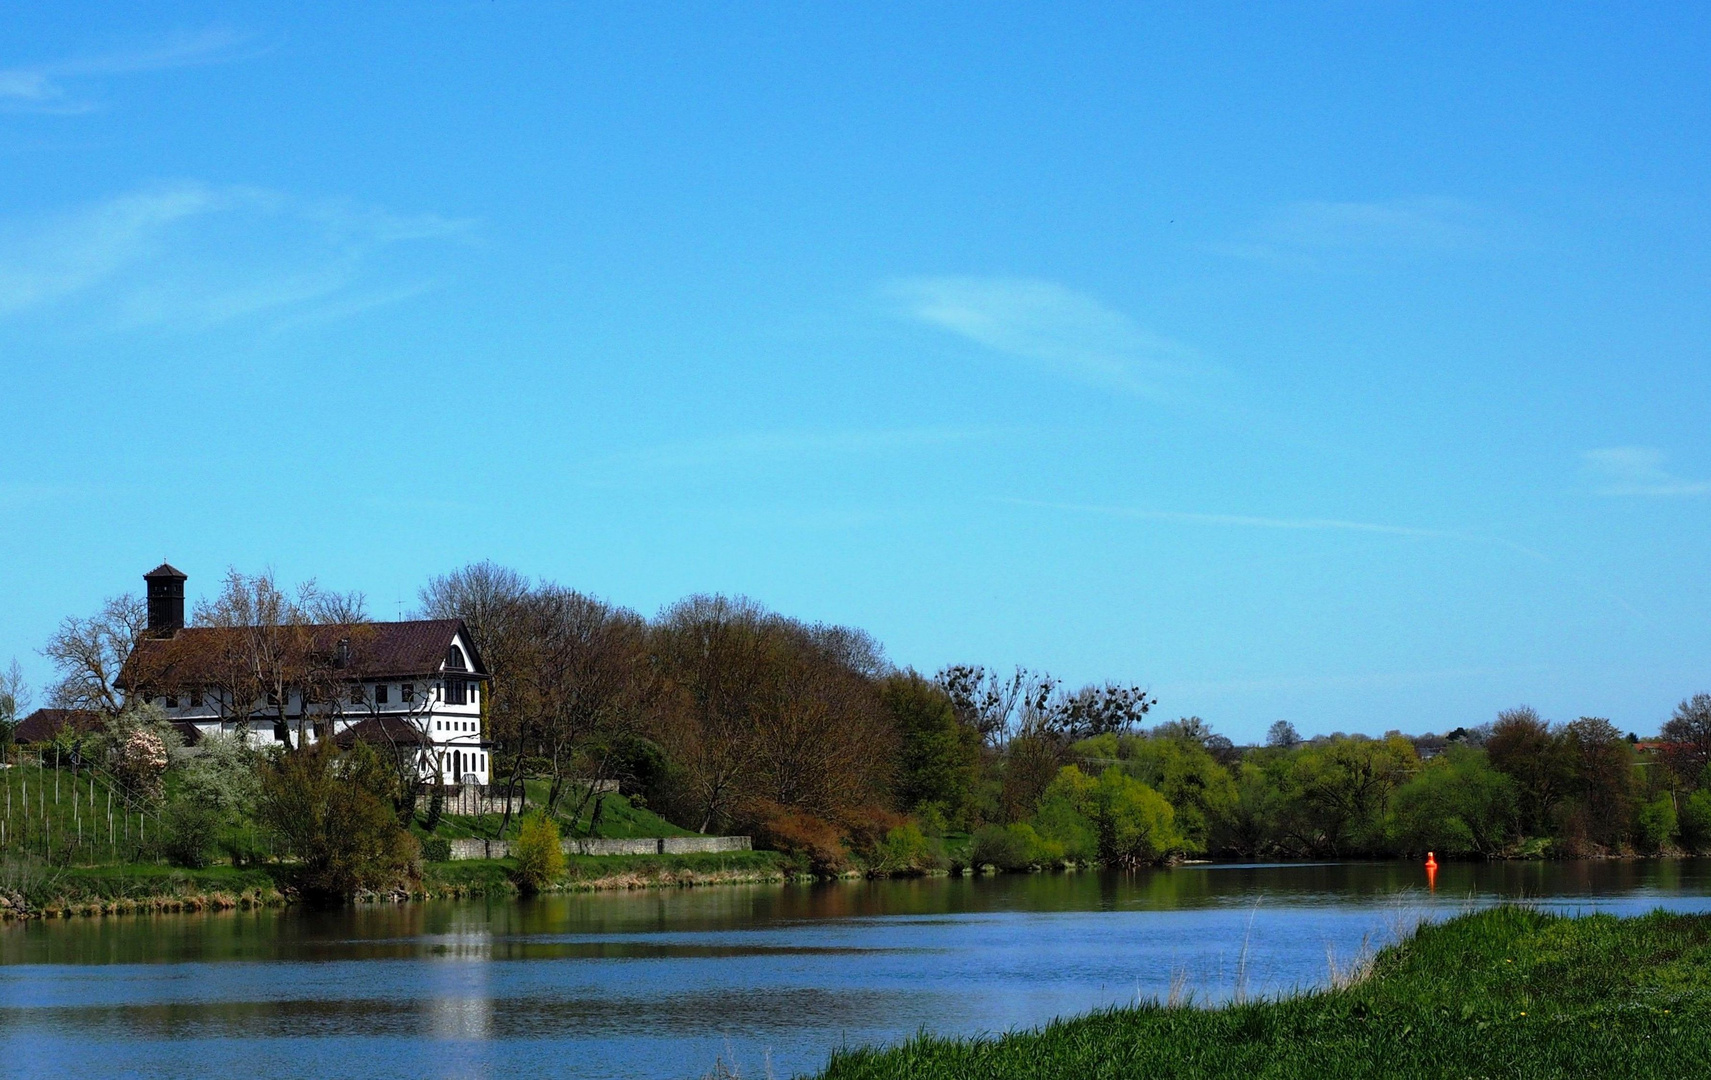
(445, 707)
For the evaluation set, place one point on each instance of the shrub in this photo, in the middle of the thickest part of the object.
(1654, 824)
(436, 849)
(539, 855)
(1012, 847)
(804, 837)
(1696, 820)
(906, 850)
(334, 813)
(192, 827)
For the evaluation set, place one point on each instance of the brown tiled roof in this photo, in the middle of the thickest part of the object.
(43, 724)
(165, 570)
(196, 655)
(382, 731)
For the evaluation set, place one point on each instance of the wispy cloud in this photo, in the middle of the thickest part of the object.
(1250, 521)
(1238, 520)
(1058, 328)
(61, 86)
(196, 256)
(1638, 471)
(1314, 233)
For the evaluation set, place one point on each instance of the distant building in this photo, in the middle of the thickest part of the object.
(411, 687)
(43, 724)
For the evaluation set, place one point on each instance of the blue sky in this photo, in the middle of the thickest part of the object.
(1339, 363)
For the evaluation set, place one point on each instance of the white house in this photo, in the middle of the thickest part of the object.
(413, 688)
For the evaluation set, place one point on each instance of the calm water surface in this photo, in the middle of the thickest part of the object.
(660, 984)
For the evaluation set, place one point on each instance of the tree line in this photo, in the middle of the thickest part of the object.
(727, 717)
(723, 716)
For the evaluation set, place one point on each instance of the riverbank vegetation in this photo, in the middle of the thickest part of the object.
(720, 716)
(1502, 992)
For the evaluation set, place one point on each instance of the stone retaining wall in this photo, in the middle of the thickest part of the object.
(669, 845)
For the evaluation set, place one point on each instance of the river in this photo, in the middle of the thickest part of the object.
(663, 983)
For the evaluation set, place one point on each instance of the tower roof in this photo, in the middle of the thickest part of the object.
(166, 570)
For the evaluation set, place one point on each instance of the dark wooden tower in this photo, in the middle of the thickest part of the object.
(166, 600)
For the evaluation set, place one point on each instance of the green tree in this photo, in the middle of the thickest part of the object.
(217, 790)
(1603, 764)
(1130, 822)
(334, 813)
(940, 755)
(538, 851)
(1523, 747)
(14, 700)
(1655, 824)
(1457, 804)
(1695, 820)
(1199, 789)
(1340, 790)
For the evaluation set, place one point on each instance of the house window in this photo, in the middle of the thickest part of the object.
(455, 692)
(273, 699)
(172, 701)
(380, 694)
(357, 696)
(474, 692)
(454, 659)
(196, 697)
(407, 692)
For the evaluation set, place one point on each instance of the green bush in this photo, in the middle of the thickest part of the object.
(1012, 847)
(1130, 822)
(192, 827)
(334, 812)
(540, 858)
(906, 850)
(1654, 824)
(1696, 820)
(436, 849)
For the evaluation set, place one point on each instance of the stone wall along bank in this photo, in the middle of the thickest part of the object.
(668, 845)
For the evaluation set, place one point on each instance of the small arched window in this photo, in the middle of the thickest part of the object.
(454, 659)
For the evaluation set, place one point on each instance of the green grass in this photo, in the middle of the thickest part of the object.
(1507, 992)
(619, 819)
(67, 817)
(492, 877)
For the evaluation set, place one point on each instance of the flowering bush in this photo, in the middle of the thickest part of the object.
(140, 761)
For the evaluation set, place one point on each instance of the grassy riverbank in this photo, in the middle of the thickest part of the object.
(1507, 992)
(586, 873)
(37, 890)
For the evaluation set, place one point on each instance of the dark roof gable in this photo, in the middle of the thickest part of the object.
(198, 655)
(44, 724)
(166, 570)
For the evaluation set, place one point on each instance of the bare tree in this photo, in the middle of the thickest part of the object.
(90, 653)
(275, 646)
(714, 650)
(1110, 708)
(583, 685)
(14, 703)
(765, 712)
(986, 701)
(492, 602)
(1687, 737)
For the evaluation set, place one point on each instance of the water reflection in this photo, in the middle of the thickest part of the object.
(657, 983)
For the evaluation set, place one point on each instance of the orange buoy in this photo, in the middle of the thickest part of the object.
(1431, 862)
(1431, 872)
